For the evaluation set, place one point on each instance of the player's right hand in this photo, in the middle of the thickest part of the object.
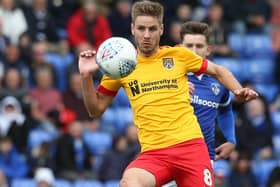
(87, 63)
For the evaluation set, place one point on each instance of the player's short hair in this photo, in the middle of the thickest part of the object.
(193, 27)
(147, 8)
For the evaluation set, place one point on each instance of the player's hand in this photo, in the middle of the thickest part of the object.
(245, 94)
(191, 88)
(87, 63)
(224, 150)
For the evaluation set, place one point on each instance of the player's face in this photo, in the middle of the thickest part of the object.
(197, 43)
(147, 31)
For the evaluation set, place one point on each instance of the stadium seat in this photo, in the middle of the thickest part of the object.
(236, 42)
(23, 183)
(38, 136)
(258, 46)
(87, 183)
(233, 65)
(121, 99)
(262, 170)
(62, 183)
(98, 142)
(263, 89)
(61, 64)
(259, 70)
(112, 183)
(124, 118)
(275, 117)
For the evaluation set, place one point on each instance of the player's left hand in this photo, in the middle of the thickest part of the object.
(191, 88)
(245, 94)
(224, 150)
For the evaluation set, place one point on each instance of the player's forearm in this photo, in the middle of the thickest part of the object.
(90, 96)
(225, 77)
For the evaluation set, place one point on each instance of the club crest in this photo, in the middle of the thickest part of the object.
(168, 63)
(215, 88)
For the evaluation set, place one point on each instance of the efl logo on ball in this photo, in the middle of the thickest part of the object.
(116, 57)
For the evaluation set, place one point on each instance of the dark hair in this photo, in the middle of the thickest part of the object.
(147, 8)
(193, 27)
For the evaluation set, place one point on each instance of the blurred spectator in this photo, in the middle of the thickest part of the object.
(4, 40)
(274, 178)
(254, 131)
(115, 160)
(73, 158)
(13, 85)
(46, 99)
(12, 59)
(183, 13)
(242, 174)
(41, 25)
(41, 156)
(87, 27)
(44, 177)
(13, 122)
(121, 16)
(73, 98)
(221, 171)
(220, 30)
(3, 180)
(132, 137)
(11, 163)
(256, 15)
(38, 60)
(61, 11)
(14, 22)
(173, 34)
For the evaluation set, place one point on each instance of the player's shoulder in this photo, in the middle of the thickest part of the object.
(175, 50)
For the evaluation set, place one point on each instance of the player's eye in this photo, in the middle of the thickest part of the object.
(199, 46)
(189, 45)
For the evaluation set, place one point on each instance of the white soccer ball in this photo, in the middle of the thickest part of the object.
(116, 57)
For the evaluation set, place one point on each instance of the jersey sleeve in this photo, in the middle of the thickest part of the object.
(192, 62)
(109, 86)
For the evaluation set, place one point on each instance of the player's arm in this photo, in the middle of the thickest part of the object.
(225, 77)
(226, 124)
(95, 102)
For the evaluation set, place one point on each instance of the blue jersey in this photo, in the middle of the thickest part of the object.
(210, 99)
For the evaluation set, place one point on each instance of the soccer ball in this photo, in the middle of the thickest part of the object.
(116, 57)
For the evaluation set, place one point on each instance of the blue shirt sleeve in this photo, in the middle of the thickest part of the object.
(226, 122)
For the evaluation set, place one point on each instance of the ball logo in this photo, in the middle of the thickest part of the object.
(111, 50)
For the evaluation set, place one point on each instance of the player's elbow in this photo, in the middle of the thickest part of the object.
(94, 112)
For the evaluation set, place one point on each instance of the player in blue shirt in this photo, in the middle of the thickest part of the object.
(211, 100)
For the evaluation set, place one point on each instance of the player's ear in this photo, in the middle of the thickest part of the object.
(161, 29)
(209, 50)
(132, 28)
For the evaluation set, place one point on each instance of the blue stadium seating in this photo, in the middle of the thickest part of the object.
(27, 182)
(236, 42)
(98, 142)
(60, 63)
(38, 136)
(112, 183)
(87, 183)
(269, 91)
(121, 99)
(23, 183)
(258, 46)
(262, 170)
(233, 65)
(259, 70)
(275, 117)
(62, 183)
(124, 118)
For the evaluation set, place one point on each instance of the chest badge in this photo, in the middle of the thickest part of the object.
(215, 88)
(168, 63)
